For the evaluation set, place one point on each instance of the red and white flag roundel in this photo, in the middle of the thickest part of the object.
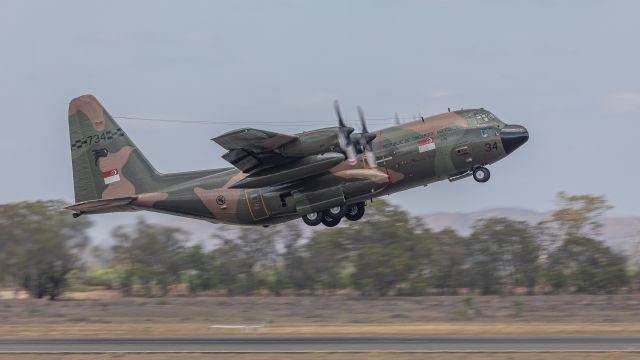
(426, 144)
(111, 176)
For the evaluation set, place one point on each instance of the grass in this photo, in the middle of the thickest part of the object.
(189, 328)
(108, 314)
(333, 356)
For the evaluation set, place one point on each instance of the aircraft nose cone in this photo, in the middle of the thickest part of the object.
(512, 137)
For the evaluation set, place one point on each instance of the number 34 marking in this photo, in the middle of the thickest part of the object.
(488, 147)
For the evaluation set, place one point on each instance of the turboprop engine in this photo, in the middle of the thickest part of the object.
(314, 142)
(334, 139)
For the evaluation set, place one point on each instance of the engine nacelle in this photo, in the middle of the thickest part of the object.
(311, 143)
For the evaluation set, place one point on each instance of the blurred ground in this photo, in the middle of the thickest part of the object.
(325, 315)
(369, 356)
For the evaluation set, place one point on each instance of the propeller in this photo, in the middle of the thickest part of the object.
(344, 138)
(365, 140)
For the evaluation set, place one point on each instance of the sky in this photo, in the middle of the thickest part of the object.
(567, 70)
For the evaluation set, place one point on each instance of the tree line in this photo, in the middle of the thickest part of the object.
(388, 252)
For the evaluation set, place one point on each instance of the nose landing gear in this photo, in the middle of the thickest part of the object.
(481, 174)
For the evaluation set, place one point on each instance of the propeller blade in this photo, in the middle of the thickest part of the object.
(365, 140)
(336, 107)
(344, 140)
(362, 122)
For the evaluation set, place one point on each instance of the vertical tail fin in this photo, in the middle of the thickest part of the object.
(106, 163)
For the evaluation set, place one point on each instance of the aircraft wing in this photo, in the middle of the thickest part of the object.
(251, 149)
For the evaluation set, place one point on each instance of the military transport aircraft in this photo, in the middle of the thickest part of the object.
(320, 176)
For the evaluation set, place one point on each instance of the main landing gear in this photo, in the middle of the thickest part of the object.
(481, 174)
(332, 217)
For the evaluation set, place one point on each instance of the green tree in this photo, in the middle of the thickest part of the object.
(526, 251)
(40, 244)
(578, 215)
(324, 261)
(487, 252)
(586, 265)
(504, 253)
(199, 268)
(449, 260)
(388, 250)
(296, 270)
(246, 258)
(148, 254)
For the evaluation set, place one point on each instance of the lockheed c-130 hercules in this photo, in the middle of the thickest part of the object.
(321, 176)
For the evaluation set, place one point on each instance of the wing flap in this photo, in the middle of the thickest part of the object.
(252, 149)
(253, 140)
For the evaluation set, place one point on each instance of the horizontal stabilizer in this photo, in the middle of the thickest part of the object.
(103, 205)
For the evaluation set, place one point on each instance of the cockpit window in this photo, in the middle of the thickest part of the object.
(494, 119)
(482, 117)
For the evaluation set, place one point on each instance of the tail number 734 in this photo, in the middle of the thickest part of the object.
(488, 147)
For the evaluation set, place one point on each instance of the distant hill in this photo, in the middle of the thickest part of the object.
(621, 233)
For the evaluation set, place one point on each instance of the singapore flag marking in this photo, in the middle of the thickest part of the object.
(111, 176)
(426, 144)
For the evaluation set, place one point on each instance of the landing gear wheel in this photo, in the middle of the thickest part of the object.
(355, 211)
(312, 219)
(336, 212)
(481, 174)
(329, 222)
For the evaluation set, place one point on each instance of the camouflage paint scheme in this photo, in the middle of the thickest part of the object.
(111, 173)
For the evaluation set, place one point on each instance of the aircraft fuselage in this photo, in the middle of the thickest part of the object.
(416, 153)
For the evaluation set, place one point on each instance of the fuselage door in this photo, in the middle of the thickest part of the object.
(462, 156)
(255, 202)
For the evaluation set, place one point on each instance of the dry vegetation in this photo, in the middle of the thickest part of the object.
(435, 315)
(334, 356)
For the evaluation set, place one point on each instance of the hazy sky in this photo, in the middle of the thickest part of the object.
(567, 70)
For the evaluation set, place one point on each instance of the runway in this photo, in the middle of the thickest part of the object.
(269, 344)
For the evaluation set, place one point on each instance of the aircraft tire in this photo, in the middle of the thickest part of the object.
(481, 174)
(329, 222)
(355, 211)
(312, 219)
(336, 212)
